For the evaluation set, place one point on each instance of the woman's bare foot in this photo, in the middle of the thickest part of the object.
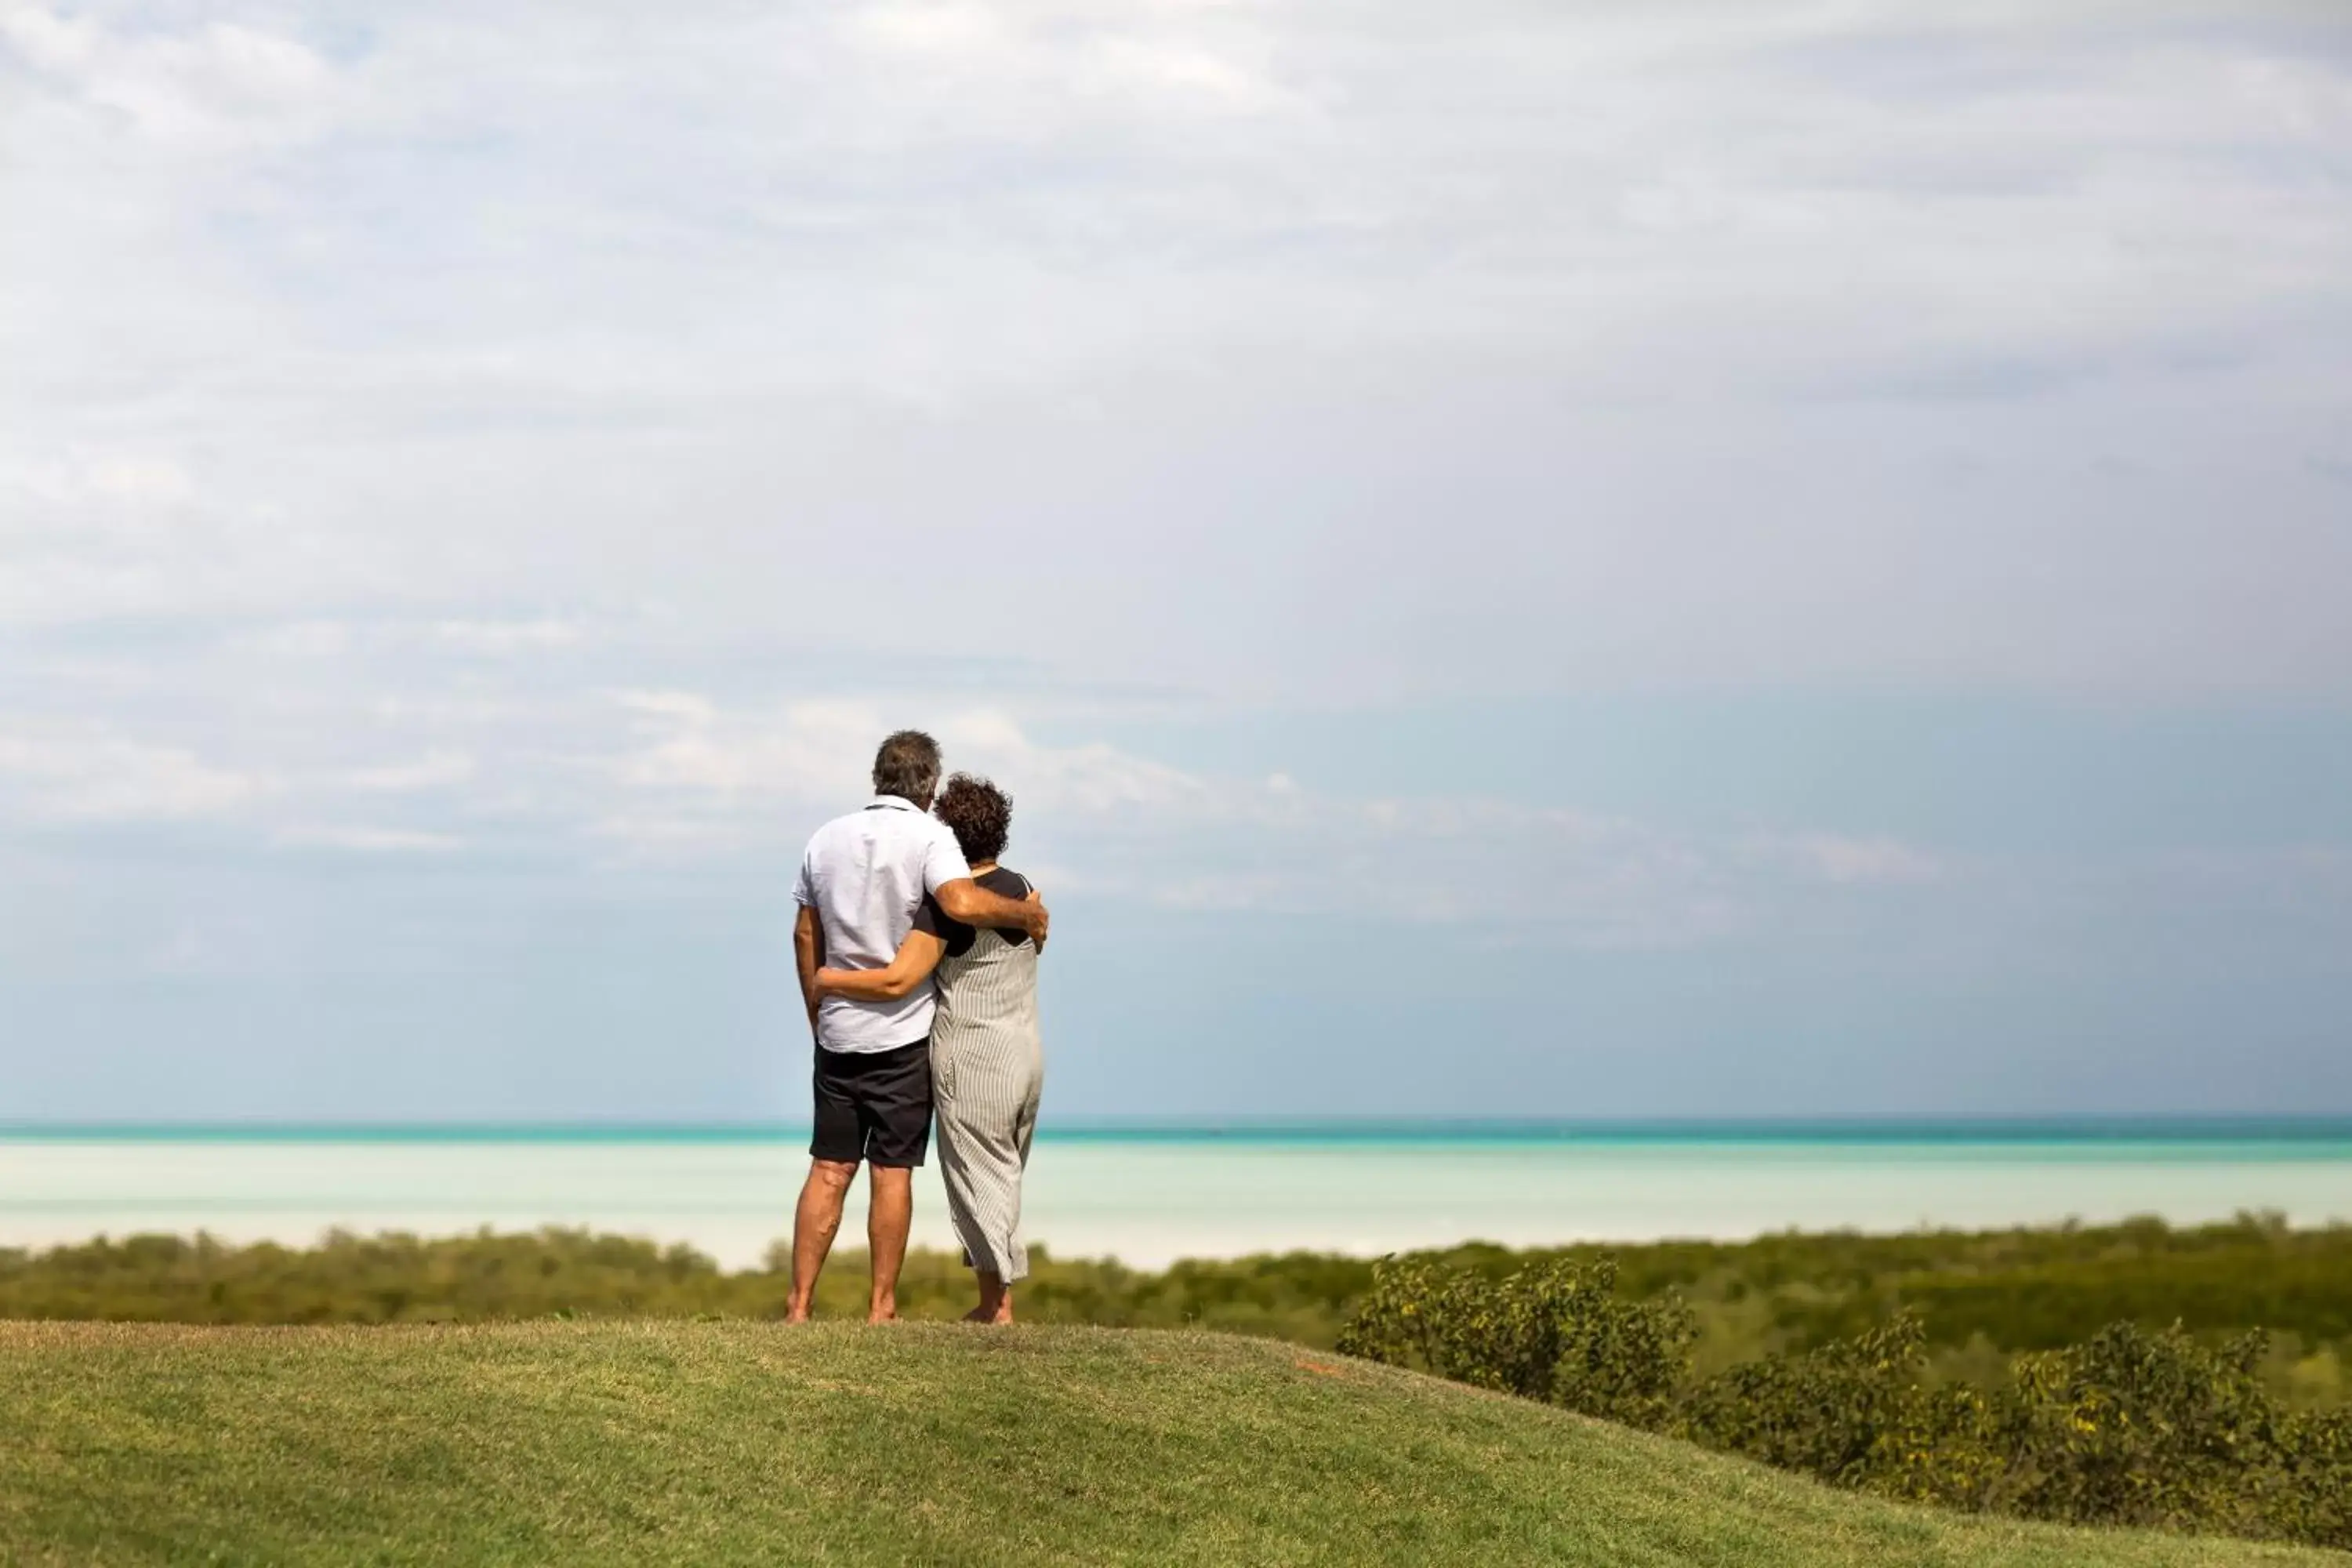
(995, 1302)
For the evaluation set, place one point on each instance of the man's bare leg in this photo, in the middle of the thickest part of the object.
(888, 1218)
(995, 1301)
(814, 1224)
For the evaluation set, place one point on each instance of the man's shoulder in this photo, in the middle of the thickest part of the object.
(889, 829)
(903, 826)
(836, 835)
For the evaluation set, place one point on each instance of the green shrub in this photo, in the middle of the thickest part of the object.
(2130, 1428)
(2046, 1290)
(1554, 1332)
(2140, 1429)
(2310, 1495)
(1982, 1296)
(1851, 1413)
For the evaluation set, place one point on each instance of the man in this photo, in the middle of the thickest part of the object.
(863, 879)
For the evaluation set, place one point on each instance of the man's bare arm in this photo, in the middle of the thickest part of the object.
(808, 957)
(909, 967)
(966, 900)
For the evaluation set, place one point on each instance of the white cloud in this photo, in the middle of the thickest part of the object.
(507, 637)
(1859, 862)
(220, 87)
(816, 753)
(1278, 352)
(86, 772)
(704, 778)
(370, 840)
(304, 639)
(46, 40)
(93, 530)
(131, 497)
(1091, 779)
(809, 751)
(1106, 65)
(436, 770)
(320, 638)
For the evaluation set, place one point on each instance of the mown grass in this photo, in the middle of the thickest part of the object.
(637, 1441)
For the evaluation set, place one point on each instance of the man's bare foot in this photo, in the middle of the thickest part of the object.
(796, 1315)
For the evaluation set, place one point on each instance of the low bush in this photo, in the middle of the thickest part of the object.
(2133, 1427)
(2310, 1499)
(1554, 1332)
(2130, 1428)
(1852, 1413)
(1982, 1297)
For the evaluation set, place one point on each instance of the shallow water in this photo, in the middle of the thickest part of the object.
(1150, 1197)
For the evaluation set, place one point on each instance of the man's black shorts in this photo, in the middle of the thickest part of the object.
(874, 1106)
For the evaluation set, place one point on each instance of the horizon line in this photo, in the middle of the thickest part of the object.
(1998, 1126)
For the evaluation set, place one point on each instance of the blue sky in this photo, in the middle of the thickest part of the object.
(1548, 558)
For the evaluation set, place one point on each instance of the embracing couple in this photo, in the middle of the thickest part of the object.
(918, 957)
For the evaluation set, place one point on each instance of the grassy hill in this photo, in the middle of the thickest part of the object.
(747, 1442)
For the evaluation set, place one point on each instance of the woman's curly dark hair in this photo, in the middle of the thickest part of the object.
(978, 813)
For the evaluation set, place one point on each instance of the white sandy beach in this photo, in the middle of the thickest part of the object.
(1149, 1202)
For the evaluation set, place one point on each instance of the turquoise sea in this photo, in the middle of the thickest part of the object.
(1148, 1194)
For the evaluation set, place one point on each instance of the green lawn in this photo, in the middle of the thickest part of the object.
(648, 1441)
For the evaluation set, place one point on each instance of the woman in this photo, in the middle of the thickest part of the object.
(987, 1066)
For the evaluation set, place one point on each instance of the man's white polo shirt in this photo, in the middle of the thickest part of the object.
(866, 875)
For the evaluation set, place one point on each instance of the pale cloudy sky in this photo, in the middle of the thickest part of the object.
(1546, 558)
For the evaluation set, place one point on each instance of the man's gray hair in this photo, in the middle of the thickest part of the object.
(908, 766)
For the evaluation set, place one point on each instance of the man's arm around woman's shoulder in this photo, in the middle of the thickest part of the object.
(966, 900)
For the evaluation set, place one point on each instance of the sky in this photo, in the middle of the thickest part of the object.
(1518, 559)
